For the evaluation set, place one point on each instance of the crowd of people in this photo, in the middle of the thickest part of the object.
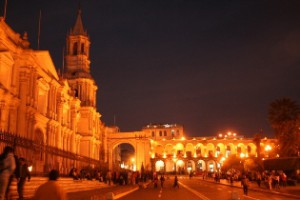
(116, 177)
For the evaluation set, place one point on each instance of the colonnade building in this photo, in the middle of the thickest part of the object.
(52, 120)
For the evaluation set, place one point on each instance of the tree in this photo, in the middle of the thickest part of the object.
(284, 119)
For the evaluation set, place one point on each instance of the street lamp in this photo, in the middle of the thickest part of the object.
(132, 164)
(268, 148)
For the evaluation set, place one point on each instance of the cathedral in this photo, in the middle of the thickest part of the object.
(51, 118)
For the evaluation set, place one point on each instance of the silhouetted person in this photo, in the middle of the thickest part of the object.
(51, 189)
(176, 182)
(162, 180)
(245, 184)
(22, 173)
(7, 167)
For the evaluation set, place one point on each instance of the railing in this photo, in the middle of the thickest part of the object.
(33, 146)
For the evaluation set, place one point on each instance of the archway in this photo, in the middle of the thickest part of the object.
(160, 166)
(201, 166)
(211, 164)
(180, 166)
(189, 150)
(123, 157)
(190, 166)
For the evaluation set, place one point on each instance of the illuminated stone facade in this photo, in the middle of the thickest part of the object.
(202, 154)
(50, 109)
(164, 147)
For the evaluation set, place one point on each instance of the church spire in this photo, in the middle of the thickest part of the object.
(78, 27)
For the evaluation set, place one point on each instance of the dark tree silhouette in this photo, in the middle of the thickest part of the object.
(284, 119)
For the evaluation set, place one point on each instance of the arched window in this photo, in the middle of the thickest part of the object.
(75, 47)
(82, 48)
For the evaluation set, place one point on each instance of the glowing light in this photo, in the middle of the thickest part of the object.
(30, 168)
(268, 148)
(183, 138)
(242, 155)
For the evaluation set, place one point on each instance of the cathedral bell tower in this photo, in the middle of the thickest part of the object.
(77, 69)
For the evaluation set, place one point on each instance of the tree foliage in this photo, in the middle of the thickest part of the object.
(284, 115)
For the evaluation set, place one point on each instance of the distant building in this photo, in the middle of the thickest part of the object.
(167, 131)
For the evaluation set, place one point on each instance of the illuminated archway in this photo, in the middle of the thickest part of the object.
(251, 148)
(201, 166)
(180, 149)
(159, 166)
(169, 150)
(230, 149)
(210, 148)
(180, 166)
(221, 149)
(211, 165)
(200, 150)
(189, 150)
(241, 149)
(123, 156)
(190, 166)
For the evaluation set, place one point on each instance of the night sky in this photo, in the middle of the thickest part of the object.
(209, 65)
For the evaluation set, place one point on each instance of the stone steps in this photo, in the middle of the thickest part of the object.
(68, 184)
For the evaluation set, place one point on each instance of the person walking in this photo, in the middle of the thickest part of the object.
(21, 174)
(258, 178)
(108, 177)
(245, 184)
(51, 189)
(7, 167)
(155, 180)
(162, 180)
(176, 182)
